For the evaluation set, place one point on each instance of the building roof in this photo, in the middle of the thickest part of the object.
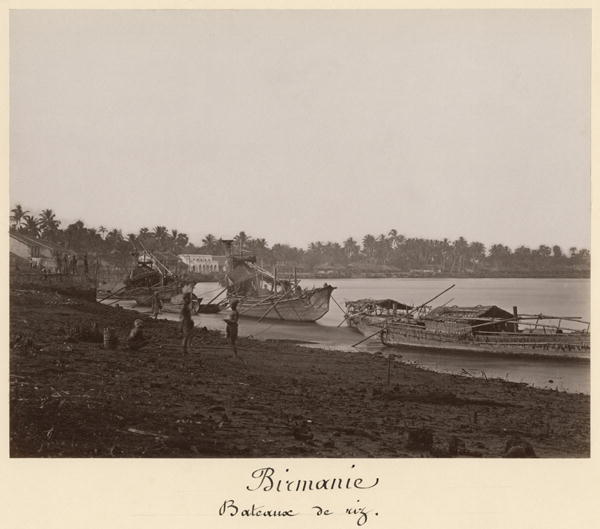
(34, 241)
(191, 254)
(455, 313)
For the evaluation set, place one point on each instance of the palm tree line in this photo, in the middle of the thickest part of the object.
(391, 251)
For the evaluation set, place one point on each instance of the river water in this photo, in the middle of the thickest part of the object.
(555, 297)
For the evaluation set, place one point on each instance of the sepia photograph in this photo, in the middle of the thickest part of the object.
(300, 233)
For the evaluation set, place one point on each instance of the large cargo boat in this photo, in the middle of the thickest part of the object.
(491, 330)
(261, 294)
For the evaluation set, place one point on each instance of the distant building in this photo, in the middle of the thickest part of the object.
(35, 252)
(203, 264)
(160, 260)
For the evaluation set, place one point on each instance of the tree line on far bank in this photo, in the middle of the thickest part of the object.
(384, 252)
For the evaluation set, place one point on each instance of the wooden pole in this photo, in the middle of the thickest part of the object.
(269, 310)
(112, 294)
(338, 305)
(370, 336)
(430, 300)
(217, 296)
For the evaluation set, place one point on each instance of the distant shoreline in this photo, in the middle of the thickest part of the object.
(498, 275)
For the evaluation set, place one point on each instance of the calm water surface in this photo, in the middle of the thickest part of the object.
(555, 297)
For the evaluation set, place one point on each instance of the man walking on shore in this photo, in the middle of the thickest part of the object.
(232, 327)
(187, 324)
(156, 305)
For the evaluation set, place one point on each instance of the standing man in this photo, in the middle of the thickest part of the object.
(187, 324)
(156, 305)
(232, 327)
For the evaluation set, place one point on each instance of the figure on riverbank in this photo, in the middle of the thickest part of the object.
(156, 305)
(187, 324)
(232, 327)
(136, 339)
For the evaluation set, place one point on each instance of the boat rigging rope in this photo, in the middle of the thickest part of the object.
(334, 300)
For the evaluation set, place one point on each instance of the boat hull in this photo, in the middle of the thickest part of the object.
(172, 293)
(308, 307)
(568, 346)
(366, 325)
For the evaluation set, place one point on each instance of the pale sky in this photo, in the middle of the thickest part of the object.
(300, 126)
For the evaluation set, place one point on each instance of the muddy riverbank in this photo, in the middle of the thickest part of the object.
(69, 397)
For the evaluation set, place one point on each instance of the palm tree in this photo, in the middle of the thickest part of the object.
(369, 244)
(102, 230)
(160, 232)
(209, 241)
(557, 251)
(461, 247)
(395, 238)
(48, 222)
(30, 225)
(544, 251)
(351, 248)
(17, 216)
(182, 240)
(476, 253)
(382, 248)
(240, 239)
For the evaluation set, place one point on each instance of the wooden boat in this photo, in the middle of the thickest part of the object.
(150, 276)
(490, 330)
(260, 294)
(169, 293)
(369, 315)
(176, 303)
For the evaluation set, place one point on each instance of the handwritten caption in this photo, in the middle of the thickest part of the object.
(267, 480)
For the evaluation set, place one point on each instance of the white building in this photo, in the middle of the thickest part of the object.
(204, 264)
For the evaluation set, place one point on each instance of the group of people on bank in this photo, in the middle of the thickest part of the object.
(136, 339)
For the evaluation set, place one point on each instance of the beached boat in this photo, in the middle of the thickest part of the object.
(261, 294)
(150, 276)
(369, 315)
(491, 330)
(175, 304)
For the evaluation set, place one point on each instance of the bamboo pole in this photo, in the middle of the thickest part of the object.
(217, 296)
(430, 300)
(338, 305)
(112, 294)
(270, 309)
(370, 336)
